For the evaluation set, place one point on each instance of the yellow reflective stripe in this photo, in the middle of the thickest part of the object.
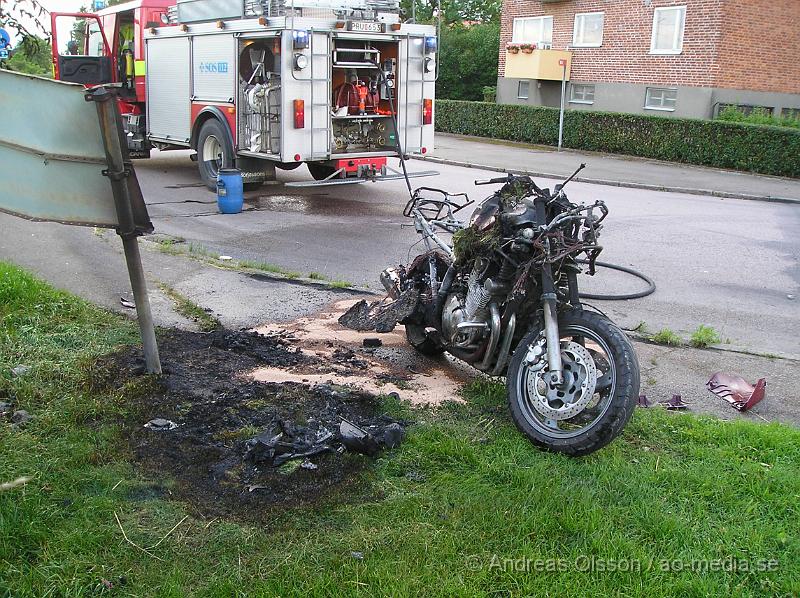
(139, 68)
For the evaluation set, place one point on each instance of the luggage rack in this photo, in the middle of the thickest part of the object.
(195, 11)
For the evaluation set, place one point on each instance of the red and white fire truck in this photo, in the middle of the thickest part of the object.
(339, 85)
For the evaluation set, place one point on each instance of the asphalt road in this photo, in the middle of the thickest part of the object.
(730, 264)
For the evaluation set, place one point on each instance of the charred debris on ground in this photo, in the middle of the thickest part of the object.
(239, 446)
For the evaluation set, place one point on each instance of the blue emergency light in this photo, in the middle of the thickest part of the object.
(300, 38)
(98, 5)
(430, 45)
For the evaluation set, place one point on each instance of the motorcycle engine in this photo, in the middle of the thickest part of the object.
(465, 318)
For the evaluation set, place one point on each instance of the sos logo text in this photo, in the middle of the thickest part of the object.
(213, 67)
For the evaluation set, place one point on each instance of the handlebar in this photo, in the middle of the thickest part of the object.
(494, 181)
(510, 178)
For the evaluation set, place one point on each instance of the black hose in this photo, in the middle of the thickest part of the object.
(389, 92)
(651, 288)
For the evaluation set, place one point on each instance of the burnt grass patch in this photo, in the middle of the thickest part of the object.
(218, 409)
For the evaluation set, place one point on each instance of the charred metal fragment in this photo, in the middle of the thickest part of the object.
(380, 316)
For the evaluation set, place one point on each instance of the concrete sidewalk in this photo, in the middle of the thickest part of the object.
(604, 169)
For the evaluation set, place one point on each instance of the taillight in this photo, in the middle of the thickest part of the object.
(427, 112)
(299, 114)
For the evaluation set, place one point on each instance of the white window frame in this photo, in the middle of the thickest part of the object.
(660, 108)
(514, 36)
(575, 43)
(677, 45)
(527, 89)
(572, 87)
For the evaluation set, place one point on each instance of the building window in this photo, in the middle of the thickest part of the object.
(588, 30)
(668, 30)
(533, 30)
(522, 90)
(746, 109)
(661, 98)
(580, 93)
(791, 113)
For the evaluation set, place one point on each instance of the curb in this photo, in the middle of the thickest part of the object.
(300, 281)
(643, 338)
(629, 184)
(262, 275)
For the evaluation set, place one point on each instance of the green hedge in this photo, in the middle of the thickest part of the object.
(754, 148)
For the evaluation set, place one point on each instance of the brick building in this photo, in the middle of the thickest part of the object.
(682, 58)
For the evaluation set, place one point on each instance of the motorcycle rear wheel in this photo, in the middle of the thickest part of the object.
(590, 344)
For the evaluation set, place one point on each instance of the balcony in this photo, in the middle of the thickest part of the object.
(538, 64)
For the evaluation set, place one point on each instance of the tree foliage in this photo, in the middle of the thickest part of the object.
(453, 11)
(468, 60)
(25, 17)
(32, 55)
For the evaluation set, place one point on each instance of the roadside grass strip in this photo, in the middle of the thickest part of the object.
(679, 505)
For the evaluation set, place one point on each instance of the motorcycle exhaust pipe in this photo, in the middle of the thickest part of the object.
(444, 288)
(505, 346)
(494, 337)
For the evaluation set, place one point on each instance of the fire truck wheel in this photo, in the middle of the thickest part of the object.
(288, 165)
(214, 151)
(320, 171)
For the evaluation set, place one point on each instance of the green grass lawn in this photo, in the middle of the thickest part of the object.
(466, 506)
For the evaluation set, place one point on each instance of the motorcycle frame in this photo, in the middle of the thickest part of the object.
(442, 215)
(429, 214)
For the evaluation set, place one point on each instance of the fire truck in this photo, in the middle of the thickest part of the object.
(338, 85)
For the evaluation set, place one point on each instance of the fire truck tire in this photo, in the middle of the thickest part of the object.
(214, 151)
(288, 165)
(320, 171)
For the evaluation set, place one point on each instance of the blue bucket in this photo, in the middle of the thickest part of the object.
(230, 198)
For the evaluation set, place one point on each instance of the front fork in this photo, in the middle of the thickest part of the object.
(551, 333)
(554, 364)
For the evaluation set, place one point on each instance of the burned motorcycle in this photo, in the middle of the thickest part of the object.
(503, 296)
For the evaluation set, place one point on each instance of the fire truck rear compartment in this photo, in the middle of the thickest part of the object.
(358, 113)
(363, 73)
(288, 103)
(259, 105)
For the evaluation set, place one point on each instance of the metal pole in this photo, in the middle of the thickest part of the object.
(118, 172)
(561, 114)
(130, 245)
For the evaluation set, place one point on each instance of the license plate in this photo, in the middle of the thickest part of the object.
(366, 26)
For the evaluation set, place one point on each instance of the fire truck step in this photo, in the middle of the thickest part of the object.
(352, 181)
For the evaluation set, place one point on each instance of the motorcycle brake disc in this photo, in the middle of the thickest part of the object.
(564, 401)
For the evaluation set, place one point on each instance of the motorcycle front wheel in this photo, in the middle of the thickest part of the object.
(597, 397)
